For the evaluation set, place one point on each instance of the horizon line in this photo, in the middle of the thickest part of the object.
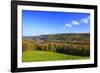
(58, 33)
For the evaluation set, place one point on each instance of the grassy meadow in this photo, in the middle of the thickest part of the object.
(36, 56)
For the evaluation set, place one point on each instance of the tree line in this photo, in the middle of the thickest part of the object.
(80, 49)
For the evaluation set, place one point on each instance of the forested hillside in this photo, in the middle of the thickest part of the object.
(69, 43)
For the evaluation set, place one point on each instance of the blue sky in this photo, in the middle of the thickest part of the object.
(47, 22)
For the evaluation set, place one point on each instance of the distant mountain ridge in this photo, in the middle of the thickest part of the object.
(61, 37)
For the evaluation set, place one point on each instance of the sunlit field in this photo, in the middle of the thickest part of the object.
(37, 56)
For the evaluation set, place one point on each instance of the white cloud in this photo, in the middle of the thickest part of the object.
(68, 25)
(75, 22)
(71, 24)
(85, 20)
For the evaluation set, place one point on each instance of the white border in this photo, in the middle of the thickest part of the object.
(53, 63)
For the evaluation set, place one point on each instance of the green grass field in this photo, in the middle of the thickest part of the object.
(36, 56)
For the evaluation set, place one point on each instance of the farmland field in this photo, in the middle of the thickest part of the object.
(36, 56)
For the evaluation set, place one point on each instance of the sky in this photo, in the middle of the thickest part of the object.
(46, 22)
